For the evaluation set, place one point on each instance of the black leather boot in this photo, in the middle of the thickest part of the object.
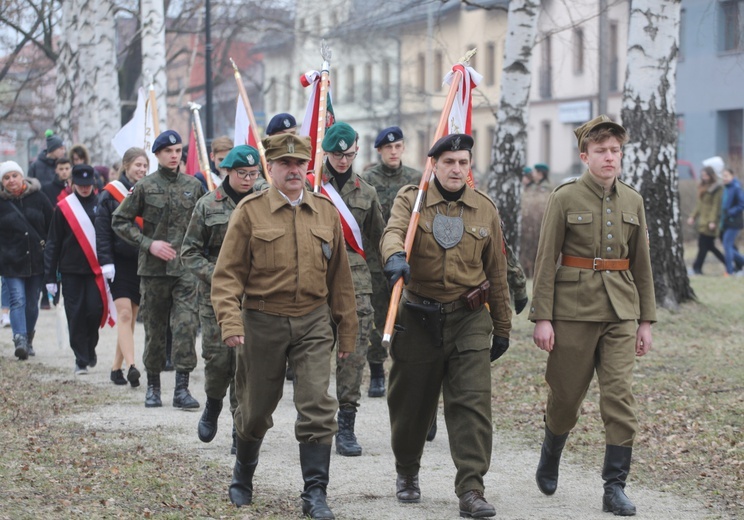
(246, 460)
(315, 460)
(234, 448)
(376, 380)
(615, 473)
(208, 422)
(181, 396)
(21, 346)
(152, 397)
(346, 441)
(550, 459)
(30, 343)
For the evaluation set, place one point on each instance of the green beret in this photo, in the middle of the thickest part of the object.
(287, 145)
(339, 138)
(599, 121)
(542, 167)
(240, 157)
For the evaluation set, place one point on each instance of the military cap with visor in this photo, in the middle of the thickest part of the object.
(287, 145)
(389, 135)
(339, 138)
(242, 156)
(83, 175)
(281, 122)
(451, 143)
(598, 122)
(165, 139)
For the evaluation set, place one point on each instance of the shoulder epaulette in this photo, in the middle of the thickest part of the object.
(627, 184)
(566, 183)
(252, 196)
(320, 196)
(486, 196)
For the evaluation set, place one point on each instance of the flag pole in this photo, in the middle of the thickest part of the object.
(154, 108)
(251, 120)
(416, 213)
(325, 52)
(201, 146)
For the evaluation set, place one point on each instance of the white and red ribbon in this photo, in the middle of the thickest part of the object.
(85, 234)
(349, 225)
(460, 120)
(310, 121)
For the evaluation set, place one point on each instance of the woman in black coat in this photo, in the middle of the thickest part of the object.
(25, 215)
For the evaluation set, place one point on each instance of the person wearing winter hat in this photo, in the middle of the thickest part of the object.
(43, 167)
(25, 215)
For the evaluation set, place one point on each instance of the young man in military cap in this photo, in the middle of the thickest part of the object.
(359, 207)
(199, 252)
(70, 251)
(387, 177)
(457, 265)
(165, 201)
(283, 123)
(281, 276)
(593, 305)
(540, 178)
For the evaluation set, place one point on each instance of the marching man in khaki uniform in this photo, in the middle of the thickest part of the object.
(593, 305)
(281, 276)
(446, 334)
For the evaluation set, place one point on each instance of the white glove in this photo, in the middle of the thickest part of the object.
(52, 288)
(108, 271)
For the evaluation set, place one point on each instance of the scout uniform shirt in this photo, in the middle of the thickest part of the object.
(583, 220)
(445, 274)
(165, 201)
(285, 261)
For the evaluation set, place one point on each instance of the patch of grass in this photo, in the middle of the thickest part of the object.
(690, 392)
(52, 467)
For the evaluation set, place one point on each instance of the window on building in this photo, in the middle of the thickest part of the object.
(421, 72)
(490, 63)
(368, 82)
(350, 83)
(287, 93)
(614, 82)
(731, 18)
(438, 71)
(731, 134)
(385, 83)
(578, 51)
(546, 80)
(545, 142)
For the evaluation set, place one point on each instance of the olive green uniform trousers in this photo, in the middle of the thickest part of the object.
(219, 359)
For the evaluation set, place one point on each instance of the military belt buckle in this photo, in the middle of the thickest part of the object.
(595, 264)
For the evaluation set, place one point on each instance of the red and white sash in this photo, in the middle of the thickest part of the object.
(349, 225)
(85, 234)
(119, 192)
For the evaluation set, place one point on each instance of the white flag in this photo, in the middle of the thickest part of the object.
(138, 131)
(242, 125)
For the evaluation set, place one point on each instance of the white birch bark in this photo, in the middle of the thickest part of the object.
(99, 103)
(510, 142)
(67, 71)
(650, 162)
(153, 53)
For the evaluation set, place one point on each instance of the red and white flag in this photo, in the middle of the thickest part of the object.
(310, 121)
(460, 120)
(138, 131)
(243, 133)
(192, 158)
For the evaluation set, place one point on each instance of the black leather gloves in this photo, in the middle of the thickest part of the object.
(395, 267)
(498, 347)
(519, 305)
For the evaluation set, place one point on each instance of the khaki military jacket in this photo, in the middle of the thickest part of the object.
(165, 201)
(708, 210)
(363, 203)
(583, 220)
(445, 274)
(286, 261)
(388, 181)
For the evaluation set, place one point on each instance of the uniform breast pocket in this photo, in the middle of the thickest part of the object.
(217, 224)
(268, 251)
(472, 244)
(580, 227)
(155, 202)
(424, 244)
(322, 245)
(630, 225)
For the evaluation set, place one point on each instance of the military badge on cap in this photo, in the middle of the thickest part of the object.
(240, 156)
(280, 123)
(250, 159)
(391, 137)
(172, 139)
(342, 144)
(388, 135)
(455, 144)
(165, 139)
(83, 175)
(339, 137)
(451, 143)
(287, 124)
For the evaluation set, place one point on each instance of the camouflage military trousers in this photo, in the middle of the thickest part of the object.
(169, 299)
(349, 371)
(219, 359)
(376, 354)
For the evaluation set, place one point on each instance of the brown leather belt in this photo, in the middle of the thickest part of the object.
(596, 264)
(444, 308)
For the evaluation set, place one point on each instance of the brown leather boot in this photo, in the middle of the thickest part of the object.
(407, 489)
(473, 505)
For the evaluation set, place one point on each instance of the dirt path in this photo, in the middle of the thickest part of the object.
(362, 487)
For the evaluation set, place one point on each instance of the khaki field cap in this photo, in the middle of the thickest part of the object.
(287, 145)
(582, 131)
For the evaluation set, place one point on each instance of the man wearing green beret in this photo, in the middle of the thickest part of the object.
(593, 305)
(199, 252)
(540, 178)
(358, 205)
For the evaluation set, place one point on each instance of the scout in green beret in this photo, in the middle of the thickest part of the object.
(339, 138)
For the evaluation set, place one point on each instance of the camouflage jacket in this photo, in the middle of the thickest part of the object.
(165, 201)
(388, 182)
(364, 204)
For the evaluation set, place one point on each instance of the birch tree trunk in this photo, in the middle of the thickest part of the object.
(510, 142)
(650, 162)
(99, 103)
(67, 71)
(153, 53)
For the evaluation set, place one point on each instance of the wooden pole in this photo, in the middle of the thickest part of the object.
(251, 120)
(202, 146)
(154, 111)
(325, 51)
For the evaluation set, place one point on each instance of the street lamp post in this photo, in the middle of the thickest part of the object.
(209, 130)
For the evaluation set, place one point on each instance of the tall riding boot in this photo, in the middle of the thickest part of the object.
(315, 460)
(30, 343)
(181, 396)
(152, 397)
(550, 459)
(615, 473)
(21, 346)
(208, 423)
(346, 441)
(246, 460)
(376, 380)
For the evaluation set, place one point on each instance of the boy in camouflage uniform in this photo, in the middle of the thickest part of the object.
(199, 252)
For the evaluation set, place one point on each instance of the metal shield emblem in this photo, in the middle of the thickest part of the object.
(326, 247)
(447, 230)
